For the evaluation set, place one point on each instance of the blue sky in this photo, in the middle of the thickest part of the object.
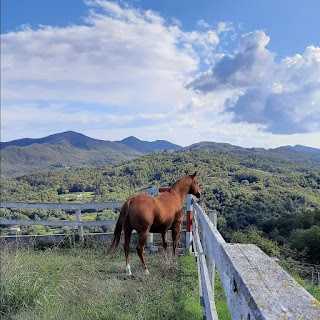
(244, 72)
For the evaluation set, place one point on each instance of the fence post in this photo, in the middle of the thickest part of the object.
(312, 275)
(189, 222)
(80, 227)
(150, 239)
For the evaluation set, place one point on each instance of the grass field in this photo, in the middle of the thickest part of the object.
(84, 283)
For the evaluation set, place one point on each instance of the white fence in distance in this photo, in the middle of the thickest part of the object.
(62, 206)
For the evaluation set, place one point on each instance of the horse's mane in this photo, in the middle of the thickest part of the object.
(178, 182)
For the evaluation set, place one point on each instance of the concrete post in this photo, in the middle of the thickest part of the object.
(80, 227)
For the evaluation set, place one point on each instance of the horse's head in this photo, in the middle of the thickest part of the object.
(194, 187)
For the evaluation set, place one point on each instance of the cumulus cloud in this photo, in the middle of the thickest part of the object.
(192, 106)
(121, 56)
(118, 49)
(128, 68)
(251, 64)
(282, 98)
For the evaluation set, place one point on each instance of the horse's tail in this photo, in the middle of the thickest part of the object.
(117, 232)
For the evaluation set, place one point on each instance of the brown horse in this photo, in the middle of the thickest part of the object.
(145, 213)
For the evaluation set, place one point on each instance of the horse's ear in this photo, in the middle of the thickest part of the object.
(193, 175)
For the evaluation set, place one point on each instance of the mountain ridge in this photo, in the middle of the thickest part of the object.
(71, 149)
(149, 146)
(82, 141)
(76, 139)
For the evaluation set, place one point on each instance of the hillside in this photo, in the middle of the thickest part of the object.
(299, 147)
(278, 196)
(36, 157)
(149, 147)
(75, 139)
(74, 150)
(71, 150)
(296, 153)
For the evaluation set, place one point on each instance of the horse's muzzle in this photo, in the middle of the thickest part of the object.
(198, 195)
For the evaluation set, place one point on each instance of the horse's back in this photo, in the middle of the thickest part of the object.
(156, 213)
(141, 211)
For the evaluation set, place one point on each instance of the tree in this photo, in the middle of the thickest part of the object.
(310, 239)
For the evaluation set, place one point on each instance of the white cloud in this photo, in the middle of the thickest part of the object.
(130, 59)
(203, 23)
(252, 64)
(123, 72)
(123, 56)
(281, 98)
(194, 105)
(225, 27)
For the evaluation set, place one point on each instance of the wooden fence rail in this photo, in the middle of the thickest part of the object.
(62, 206)
(256, 287)
(77, 208)
(58, 223)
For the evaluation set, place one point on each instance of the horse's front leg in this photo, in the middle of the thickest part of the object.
(165, 241)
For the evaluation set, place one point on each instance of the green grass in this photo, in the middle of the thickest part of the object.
(311, 288)
(84, 283)
(220, 299)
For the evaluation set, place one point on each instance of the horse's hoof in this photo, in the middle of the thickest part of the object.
(146, 272)
(128, 270)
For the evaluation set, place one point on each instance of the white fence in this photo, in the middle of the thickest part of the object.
(62, 206)
(256, 287)
(77, 208)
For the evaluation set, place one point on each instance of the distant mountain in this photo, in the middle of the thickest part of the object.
(216, 146)
(81, 141)
(70, 150)
(62, 150)
(75, 139)
(297, 153)
(301, 148)
(149, 147)
(74, 150)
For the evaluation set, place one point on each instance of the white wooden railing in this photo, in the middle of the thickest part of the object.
(256, 287)
(77, 208)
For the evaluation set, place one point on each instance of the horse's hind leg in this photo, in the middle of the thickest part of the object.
(127, 237)
(142, 239)
(176, 232)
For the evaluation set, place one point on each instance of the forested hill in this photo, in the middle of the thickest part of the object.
(149, 147)
(36, 157)
(279, 197)
(71, 150)
(297, 153)
(74, 150)
(81, 141)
